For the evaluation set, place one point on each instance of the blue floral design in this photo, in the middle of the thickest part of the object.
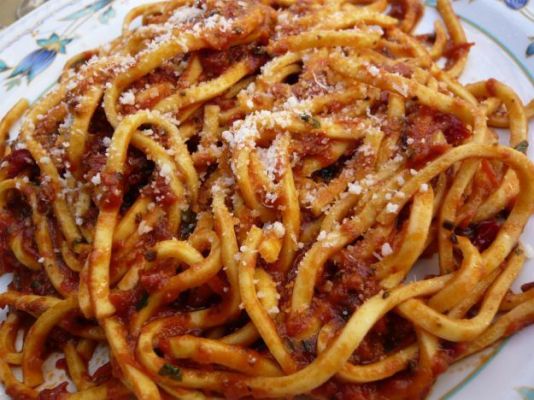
(41, 58)
(530, 48)
(87, 10)
(516, 4)
(526, 392)
(38, 60)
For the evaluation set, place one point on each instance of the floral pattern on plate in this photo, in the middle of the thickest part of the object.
(34, 49)
(48, 48)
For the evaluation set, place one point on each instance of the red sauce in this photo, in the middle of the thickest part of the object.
(453, 52)
(112, 190)
(94, 157)
(412, 383)
(16, 394)
(485, 233)
(125, 301)
(311, 145)
(174, 327)
(422, 124)
(518, 325)
(8, 262)
(399, 68)
(137, 173)
(162, 74)
(352, 282)
(57, 393)
(57, 338)
(32, 282)
(102, 374)
(216, 62)
(70, 280)
(61, 363)
(28, 241)
(19, 162)
(160, 190)
(117, 391)
(155, 278)
(399, 9)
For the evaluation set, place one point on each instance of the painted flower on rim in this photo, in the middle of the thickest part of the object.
(39, 59)
(516, 4)
(526, 393)
(87, 10)
(530, 48)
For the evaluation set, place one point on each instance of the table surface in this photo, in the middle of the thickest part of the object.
(12, 10)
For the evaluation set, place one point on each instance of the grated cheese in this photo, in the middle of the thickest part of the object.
(95, 180)
(127, 98)
(355, 188)
(144, 228)
(392, 208)
(386, 250)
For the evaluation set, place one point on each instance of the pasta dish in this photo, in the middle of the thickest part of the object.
(232, 195)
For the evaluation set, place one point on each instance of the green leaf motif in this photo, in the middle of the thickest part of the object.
(527, 393)
(107, 15)
(522, 146)
(87, 10)
(3, 66)
(11, 83)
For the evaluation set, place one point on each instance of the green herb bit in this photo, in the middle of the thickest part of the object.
(314, 122)
(522, 146)
(171, 371)
(142, 301)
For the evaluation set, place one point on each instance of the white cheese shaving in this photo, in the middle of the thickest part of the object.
(127, 98)
(386, 250)
(143, 228)
(96, 180)
(392, 208)
(355, 188)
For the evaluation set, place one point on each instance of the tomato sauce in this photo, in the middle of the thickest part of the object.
(422, 124)
(57, 393)
(454, 51)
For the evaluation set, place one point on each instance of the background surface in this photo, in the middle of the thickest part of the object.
(34, 49)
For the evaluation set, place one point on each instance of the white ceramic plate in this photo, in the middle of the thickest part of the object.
(34, 49)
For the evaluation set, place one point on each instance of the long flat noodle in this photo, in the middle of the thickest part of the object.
(328, 362)
(200, 270)
(457, 34)
(464, 330)
(41, 157)
(248, 362)
(205, 90)
(9, 119)
(327, 38)
(257, 313)
(381, 369)
(32, 352)
(139, 382)
(80, 126)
